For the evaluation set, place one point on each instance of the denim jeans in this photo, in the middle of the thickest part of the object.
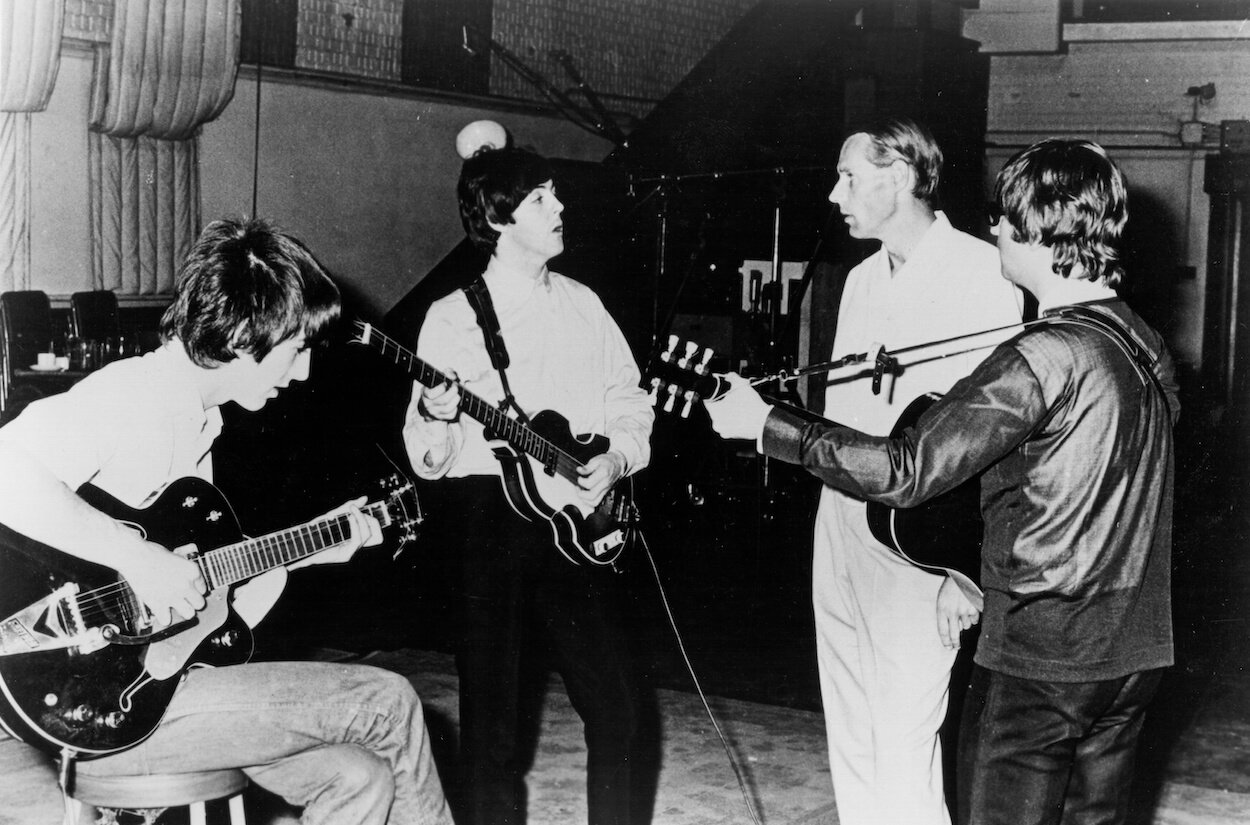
(346, 742)
(1049, 753)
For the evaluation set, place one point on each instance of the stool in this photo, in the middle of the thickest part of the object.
(156, 792)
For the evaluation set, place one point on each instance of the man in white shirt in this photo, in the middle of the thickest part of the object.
(887, 632)
(522, 598)
(347, 743)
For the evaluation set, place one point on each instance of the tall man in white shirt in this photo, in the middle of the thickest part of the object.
(522, 598)
(887, 632)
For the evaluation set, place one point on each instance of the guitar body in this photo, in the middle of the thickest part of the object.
(102, 700)
(538, 461)
(942, 535)
(581, 534)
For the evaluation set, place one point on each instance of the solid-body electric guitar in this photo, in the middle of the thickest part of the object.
(539, 460)
(82, 666)
(942, 535)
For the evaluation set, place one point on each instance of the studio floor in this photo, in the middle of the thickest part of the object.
(1199, 778)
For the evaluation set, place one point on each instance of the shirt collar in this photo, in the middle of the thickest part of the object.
(508, 288)
(178, 371)
(1080, 291)
(937, 230)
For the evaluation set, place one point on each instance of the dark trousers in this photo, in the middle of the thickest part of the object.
(524, 602)
(1045, 753)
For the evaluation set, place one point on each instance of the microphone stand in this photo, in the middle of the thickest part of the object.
(886, 361)
(603, 126)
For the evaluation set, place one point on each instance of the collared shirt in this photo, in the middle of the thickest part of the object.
(950, 285)
(566, 354)
(1075, 445)
(130, 428)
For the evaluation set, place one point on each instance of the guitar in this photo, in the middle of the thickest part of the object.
(539, 462)
(81, 665)
(942, 535)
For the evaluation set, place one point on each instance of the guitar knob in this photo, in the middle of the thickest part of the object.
(78, 715)
(227, 640)
(113, 720)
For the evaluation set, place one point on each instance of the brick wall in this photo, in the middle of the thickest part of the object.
(631, 48)
(352, 37)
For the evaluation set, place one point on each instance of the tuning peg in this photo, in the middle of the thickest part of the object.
(653, 394)
(672, 396)
(701, 368)
(690, 397)
(684, 361)
(667, 355)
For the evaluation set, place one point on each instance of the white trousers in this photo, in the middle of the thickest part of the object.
(884, 673)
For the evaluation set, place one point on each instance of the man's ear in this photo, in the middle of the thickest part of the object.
(903, 176)
(235, 347)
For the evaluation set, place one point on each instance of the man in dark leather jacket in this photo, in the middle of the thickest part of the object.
(1069, 425)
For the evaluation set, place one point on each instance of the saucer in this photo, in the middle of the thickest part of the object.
(52, 368)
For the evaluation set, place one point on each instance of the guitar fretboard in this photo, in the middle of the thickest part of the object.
(498, 423)
(243, 560)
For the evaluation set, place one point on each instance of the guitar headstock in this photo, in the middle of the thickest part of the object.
(401, 509)
(682, 373)
(363, 332)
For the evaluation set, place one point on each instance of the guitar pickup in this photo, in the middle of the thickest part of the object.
(608, 543)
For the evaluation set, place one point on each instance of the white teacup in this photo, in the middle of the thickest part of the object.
(46, 361)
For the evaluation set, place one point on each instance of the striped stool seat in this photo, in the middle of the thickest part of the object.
(154, 793)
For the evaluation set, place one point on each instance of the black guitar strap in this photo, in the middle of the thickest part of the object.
(484, 309)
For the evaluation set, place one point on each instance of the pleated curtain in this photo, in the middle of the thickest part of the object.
(169, 68)
(30, 50)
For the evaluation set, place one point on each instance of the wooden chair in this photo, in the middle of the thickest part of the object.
(152, 794)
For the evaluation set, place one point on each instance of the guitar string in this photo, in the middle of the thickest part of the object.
(564, 461)
(93, 604)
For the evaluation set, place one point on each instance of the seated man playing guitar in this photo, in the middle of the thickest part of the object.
(346, 743)
(561, 352)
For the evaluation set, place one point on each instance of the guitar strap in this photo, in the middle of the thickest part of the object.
(484, 309)
(1118, 333)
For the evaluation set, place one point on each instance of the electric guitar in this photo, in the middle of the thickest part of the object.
(83, 668)
(942, 535)
(539, 462)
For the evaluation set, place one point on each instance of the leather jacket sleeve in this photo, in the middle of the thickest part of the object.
(982, 419)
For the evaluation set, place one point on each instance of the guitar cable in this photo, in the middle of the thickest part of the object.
(681, 647)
